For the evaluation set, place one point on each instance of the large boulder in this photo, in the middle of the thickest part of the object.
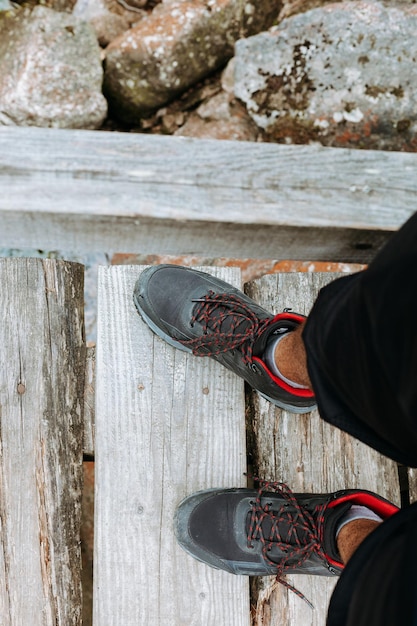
(344, 74)
(177, 45)
(51, 71)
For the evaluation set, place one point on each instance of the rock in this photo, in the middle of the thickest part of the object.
(59, 5)
(172, 121)
(344, 74)
(292, 7)
(107, 17)
(232, 130)
(220, 118)
(132, 4)
(51, 71)
(108, 26)
(177, 45)
(227, 79)
(217, 108)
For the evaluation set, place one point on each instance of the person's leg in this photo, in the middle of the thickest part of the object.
(378, 584)
(361, 345)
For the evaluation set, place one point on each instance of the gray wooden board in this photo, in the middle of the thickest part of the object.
(310, 456)
(167, 424)
(41, 421)
(92, 190)
(89, 401)
(412, 479)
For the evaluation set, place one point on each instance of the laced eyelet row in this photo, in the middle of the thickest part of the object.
(243, 327)
(304, 537)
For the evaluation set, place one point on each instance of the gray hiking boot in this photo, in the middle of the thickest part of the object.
(269, 531)
(198, 313)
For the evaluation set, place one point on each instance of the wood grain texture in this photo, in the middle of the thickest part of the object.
(412, 484)
(167, 424)
(310, 456)
(154, 194)
(41, 423)
(89, 402)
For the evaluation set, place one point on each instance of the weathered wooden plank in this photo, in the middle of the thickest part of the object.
(167, 424)
(86, 190)
(89, 401)
(310, 456)
(41, 402)
(412, 484)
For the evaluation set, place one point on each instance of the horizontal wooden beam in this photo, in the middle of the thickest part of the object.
(90, 190)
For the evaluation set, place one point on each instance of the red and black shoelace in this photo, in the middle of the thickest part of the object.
(302, 535)
(227, 323)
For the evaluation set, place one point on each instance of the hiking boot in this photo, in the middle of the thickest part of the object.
(269, 531)
(198, 313)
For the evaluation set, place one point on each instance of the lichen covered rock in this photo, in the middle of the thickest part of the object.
(344, 74)
(177, 45)
(51, 71)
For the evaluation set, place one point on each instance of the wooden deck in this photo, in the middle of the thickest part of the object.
(166, 424)
(160, 423)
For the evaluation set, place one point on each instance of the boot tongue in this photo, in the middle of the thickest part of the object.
(275, 328)
(288, 528)
(226, 323)
(288, 522)
(222, 317)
